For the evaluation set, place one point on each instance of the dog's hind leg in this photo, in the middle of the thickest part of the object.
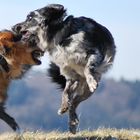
(82, 93)
(7, 118)
(73, 118)
(90, 71)
(67, 95)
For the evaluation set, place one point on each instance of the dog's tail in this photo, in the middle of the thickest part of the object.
(107, 61)
(54, 73)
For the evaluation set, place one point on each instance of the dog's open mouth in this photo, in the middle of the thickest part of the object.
(36, 54)
(32, 40)
(25, 35)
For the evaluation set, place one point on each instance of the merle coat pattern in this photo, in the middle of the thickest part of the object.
(81, 49)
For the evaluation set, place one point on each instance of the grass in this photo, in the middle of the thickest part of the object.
(99, 134)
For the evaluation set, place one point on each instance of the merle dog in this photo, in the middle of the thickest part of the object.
(80, 48)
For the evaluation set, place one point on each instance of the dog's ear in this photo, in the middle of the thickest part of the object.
(53, 12)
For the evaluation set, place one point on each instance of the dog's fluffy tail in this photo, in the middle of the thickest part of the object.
(106, 63)
(54, 73)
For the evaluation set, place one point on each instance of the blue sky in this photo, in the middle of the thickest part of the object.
(121, 17)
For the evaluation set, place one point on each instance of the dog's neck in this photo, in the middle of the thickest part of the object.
(48, 37)
(43, 43)
(53, 34)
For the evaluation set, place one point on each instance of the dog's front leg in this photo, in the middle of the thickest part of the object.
(7, 118)
(67, 95)
(92, 77)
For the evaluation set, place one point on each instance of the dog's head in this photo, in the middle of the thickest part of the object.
(12, 51)
(39, 19)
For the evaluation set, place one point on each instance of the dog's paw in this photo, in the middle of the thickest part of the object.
(73, 126)
(92, 83)
(62, 110)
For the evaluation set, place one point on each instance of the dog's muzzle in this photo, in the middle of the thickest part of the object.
(20, 30)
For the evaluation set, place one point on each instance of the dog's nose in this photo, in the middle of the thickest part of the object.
(16, 28)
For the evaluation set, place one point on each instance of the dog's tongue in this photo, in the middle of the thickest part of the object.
(27, 34)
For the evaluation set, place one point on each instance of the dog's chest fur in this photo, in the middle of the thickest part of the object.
(70, 58)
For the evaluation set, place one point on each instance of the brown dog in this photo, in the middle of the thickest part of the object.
(14, 56)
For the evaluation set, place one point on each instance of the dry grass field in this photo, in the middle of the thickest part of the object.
(99, 134)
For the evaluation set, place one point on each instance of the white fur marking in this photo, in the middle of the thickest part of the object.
(43, 44)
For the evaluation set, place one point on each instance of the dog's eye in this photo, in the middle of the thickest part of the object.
(29, 17)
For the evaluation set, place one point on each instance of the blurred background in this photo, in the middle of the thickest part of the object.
(34, 99)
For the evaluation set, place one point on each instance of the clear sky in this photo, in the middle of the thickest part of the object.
(121, 17)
